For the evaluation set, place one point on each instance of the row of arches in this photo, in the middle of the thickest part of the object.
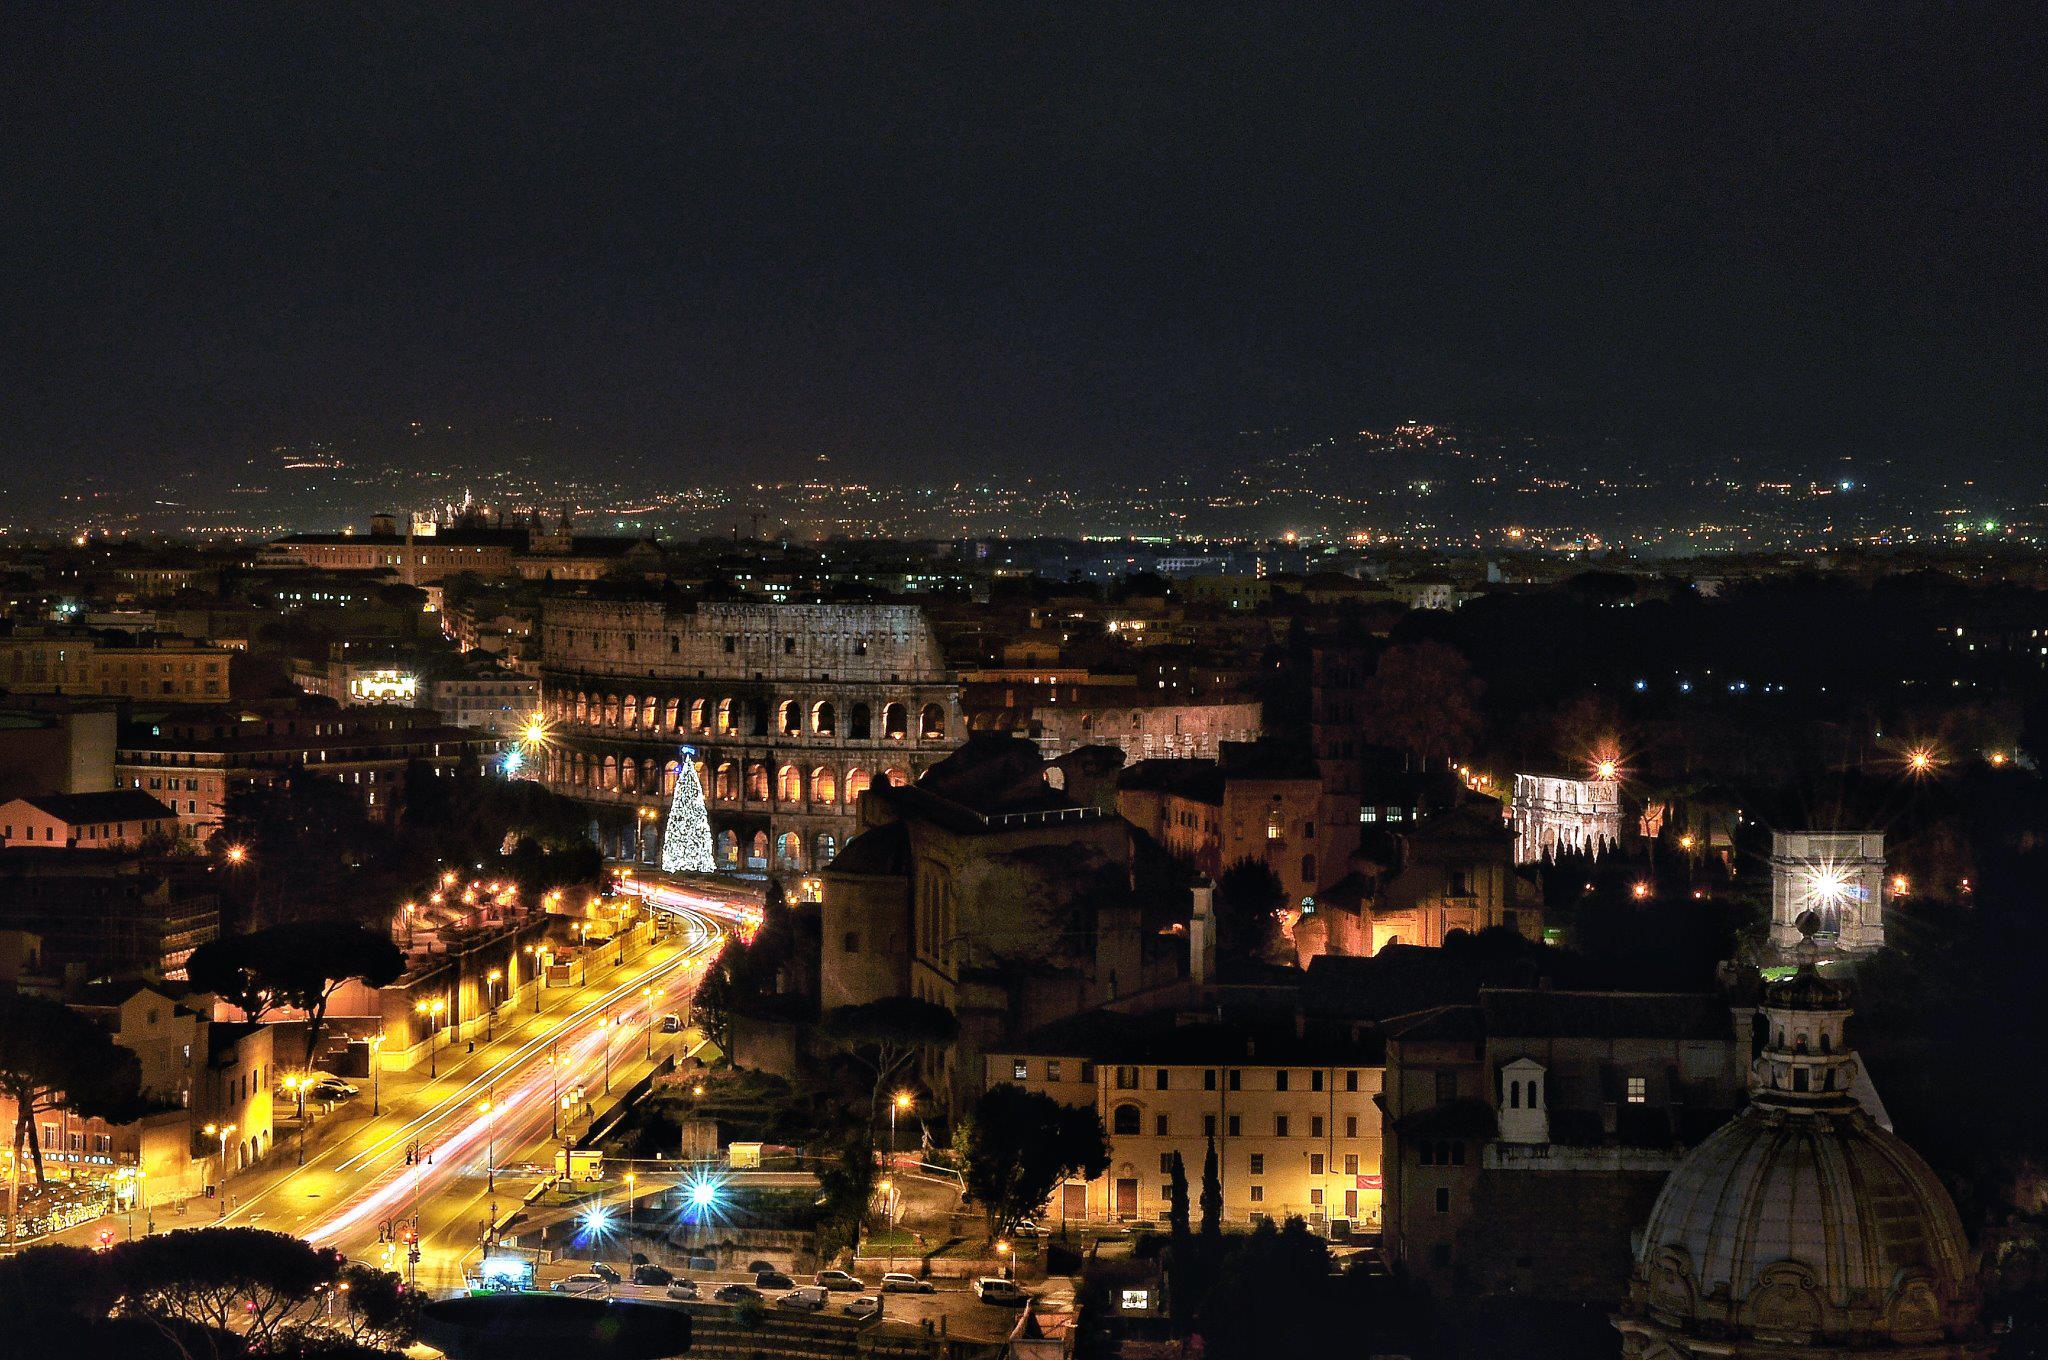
(753, 781)
(899, 720)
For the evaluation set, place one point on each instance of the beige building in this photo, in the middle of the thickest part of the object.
(154, 667)
(1290, 1105)
(119, 819)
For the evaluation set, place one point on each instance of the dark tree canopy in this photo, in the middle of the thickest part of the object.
(299, 964)
(1020, 1145)
(50, 1054)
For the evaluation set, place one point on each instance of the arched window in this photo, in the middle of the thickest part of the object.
(789, 717)
(700, 715)
(727, 718)
(824, 787)
(827, 846)
(789, 784)
(611, 710)
(675, 712)
(789, 851)
(931, 723)
(757, 787)
(729, 849)
(897, 777)
(857, 724)
(629, 712)
(1825, 1046)
(728, 782)
(1126, 1120)
(895, 721)
(1514, 1095)
(609, 778)
(669, 773)
(823, 719)
(1087, 722)
(629, 775)
(582, 707)
(856, 785)
(757, 853)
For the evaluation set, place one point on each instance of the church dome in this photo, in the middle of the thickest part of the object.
(1801, 1221)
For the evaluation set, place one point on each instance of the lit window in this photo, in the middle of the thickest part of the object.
(1638, 1090)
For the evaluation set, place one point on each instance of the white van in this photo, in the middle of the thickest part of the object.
(807, 1296)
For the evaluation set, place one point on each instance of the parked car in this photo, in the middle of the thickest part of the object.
(684, 1289)
(838, 1282)
(808, 1297)
(582, 1284)
(604, 1272)
(671, 1023)
(773, 1279)
(1028, 1228)
(736, 1293)
(898, 1282)
(652, 1274)
(867, 1305)
(991, 1289)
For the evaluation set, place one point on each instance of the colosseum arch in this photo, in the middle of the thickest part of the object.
(789, 784)
(728, 715)
(629, 775)
(789, 718)
(789, 851)
(895, 721)
(824, 785)
(825, 847)
(894, 776)
(857, 781)
(728, 850)
(823, 719)
(675, 715)
(669, 774)
(757, 781)
(700, 715)
(608, 773)
(757, 852)
(728, 785)
(858, 724)
(931, 723)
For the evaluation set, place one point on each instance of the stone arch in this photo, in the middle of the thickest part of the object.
(859, 725)
(1126, 1120)
(824, 848)
(675, 715)
(931, 723)
(757, 781)
(669, 774)
(608, 773)
(629, 775)
(895, 721)
(789, 851)
(582, 707)
(898, 777)
(824, 719)
(728, 785)
(857, 781)
(700, 715)
(824, 785)
(728, 715)
(729, 849)
(789, 718)
(789, 784)
(757, 852)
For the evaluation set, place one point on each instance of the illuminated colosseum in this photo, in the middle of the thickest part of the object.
(790, 710)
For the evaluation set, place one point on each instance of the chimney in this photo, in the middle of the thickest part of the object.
(1202, 935)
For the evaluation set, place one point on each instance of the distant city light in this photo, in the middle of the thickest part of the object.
(513, 762)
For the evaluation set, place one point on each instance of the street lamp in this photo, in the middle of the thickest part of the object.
(491, 981)
(223, 1132)
(1003, 1251)
(296, 1084)
(630, 1179)
(647, 1000)
(604, 1030)
(533, 969)
(490, 1145)
(434, 1009)
(901, 1101)
(376, 1075)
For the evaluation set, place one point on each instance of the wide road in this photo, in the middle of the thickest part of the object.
(433, 1151)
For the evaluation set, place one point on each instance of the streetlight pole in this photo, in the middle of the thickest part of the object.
(376, 1076)
(491, 1020)
(604, 1029)
(630, 1179)
(490, 1143)
(647, 1000)
(554, 1089)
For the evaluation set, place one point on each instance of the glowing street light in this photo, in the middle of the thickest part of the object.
(223, 1132)
(237, 854)
(631, 1179)
(434, 1010)
(491, 981)
(1920, 760)
(1900, 885)
(898, 1103)
(1639, 890)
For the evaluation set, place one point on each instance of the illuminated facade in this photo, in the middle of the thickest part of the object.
(792, 709)
(1835, 876)
(1554, 815)
(154, 668)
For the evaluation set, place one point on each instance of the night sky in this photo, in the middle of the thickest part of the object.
(952, 238)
